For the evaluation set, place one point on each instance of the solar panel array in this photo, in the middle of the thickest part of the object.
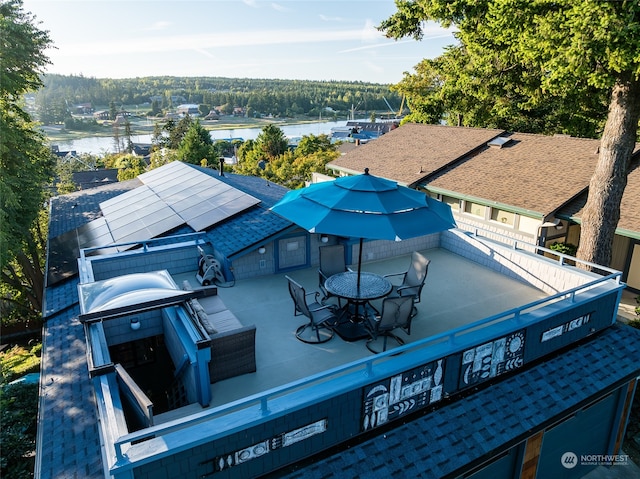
(170, 196)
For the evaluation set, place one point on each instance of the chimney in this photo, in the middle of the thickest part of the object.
(221, 166)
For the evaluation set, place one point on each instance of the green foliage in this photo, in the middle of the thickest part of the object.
(129, 166)
(80, 124)
(26, 164)
(258, 97)
(196, 145)
(271, 142)
(18, 361)
(18, 411)
(564, 248)
(177, 131)
(18, 415)
(290, 168)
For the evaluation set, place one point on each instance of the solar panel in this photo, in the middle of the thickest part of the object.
(65, 249)
(126, 214)
(193, 194)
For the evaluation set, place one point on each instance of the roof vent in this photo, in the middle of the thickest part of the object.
(499, 141)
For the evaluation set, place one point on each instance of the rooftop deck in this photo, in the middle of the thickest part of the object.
(457, 292)
(479, 296)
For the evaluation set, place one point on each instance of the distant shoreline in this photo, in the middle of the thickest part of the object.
(144, 126)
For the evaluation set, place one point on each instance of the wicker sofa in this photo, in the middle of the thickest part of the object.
(233, 346)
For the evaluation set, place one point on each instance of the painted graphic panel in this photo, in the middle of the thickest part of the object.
(399, 395)
(492, 359)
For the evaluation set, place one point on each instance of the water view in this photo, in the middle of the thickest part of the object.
(99, 145)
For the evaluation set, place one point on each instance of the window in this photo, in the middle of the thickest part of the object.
(506, 218)
(454, 203)
(474, 209)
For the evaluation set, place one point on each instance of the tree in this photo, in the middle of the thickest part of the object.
(573, 46)
(177, 131)
(129, 166)
(196, 145)
(26, 164)
(127, 136)
(272, 142)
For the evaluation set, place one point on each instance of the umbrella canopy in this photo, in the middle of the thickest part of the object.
(365, 206)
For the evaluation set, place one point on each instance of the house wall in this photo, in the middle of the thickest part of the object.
(383, 249)
(619, 252)
(118, 330)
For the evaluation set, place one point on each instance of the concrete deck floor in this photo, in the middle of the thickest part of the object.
(457, 292)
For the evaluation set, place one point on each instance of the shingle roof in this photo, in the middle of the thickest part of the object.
(67, 428)
(473, 429)
(78, 208)
(629, 206)
(253, 226)
(413, 151)
(532, 172)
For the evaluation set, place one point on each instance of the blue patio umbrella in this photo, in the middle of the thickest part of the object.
(365, 207)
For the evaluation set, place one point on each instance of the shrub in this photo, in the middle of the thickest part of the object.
(564, 248)
(18, 414)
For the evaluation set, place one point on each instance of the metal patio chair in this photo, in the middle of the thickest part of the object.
(412, 280)
(321, 316)
(397, 313)
(331, 262)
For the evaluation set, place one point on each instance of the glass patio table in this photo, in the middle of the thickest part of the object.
(350, 326)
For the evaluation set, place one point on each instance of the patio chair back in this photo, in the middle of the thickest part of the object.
(414, 278)
(397, 313)
(299, 297)
(331, 262)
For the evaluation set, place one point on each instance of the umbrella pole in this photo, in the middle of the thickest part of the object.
(359, 264)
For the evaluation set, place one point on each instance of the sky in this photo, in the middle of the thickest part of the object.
(286, 39)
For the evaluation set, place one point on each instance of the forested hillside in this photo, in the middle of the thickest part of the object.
(280, 98)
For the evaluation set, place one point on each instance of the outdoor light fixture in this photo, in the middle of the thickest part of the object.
(324, 238)
(557, 224)
(262, 250)
(135, 324)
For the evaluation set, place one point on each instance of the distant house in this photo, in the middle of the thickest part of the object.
(190, 109)
(102, 115)
(94, 178)
(83, 108)
(212, 115)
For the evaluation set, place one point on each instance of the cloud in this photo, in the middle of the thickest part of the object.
(280, 8)
(382, 45)
(172, 43)
(369, 32)
(157, 26)
(326, 18)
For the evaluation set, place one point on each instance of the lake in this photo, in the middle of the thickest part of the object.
(99, 145)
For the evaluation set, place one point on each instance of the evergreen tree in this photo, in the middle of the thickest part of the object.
(196, 145)
(26, 164)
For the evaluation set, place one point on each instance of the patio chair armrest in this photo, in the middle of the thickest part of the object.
(321, 307)
(392, 275)
(315, 294)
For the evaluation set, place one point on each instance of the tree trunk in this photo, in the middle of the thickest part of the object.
(602, 210)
